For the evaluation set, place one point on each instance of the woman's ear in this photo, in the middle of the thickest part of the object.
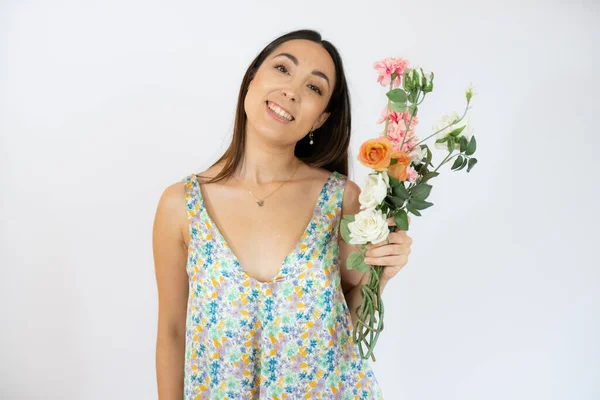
(321, 120)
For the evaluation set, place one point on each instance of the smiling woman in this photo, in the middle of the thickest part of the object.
(252, 299)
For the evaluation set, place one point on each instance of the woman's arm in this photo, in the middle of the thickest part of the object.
(350, 205)
(170, 256)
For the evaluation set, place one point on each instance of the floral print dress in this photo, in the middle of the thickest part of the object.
(288, 338)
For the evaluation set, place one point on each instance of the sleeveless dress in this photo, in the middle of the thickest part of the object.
(288, 338)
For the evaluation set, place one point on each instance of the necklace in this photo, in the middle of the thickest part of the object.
(261, 202)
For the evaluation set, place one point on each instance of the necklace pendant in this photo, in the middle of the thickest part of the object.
(260, 203)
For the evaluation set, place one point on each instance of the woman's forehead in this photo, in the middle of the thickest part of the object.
(306, 53)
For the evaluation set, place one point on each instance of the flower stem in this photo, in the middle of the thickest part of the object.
(435, 133)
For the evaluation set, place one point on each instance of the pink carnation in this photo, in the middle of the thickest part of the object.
(398, 116)
(411, 174)
(386, 67)
(396, 132)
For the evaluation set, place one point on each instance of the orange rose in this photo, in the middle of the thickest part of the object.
(398, 170)
(376, 153)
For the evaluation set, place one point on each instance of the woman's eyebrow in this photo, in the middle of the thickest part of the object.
(295, 61)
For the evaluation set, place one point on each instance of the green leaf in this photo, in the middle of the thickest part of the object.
(428, 176)
(419, 204)
(398, 107)
(396, 201)
(443, 139)
(429, 156)
(451, 144)
(471, 147)
(413, 210)
(397, 95)
(401, 220)
(400, 191)
(457, 131)
(472, 163)
(394, 181)
(412, 96)
(349, 217)
(344, 230)
(463, 143)
(457, 163)
(421, 191)
(355, 260)
(412, 109)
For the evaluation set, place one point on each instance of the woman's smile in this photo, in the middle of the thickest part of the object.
(276, 116)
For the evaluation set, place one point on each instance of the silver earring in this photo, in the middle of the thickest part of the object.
(310, 135)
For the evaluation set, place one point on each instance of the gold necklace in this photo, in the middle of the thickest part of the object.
(261, 202)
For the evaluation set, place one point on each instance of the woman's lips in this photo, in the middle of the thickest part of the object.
(275, 116)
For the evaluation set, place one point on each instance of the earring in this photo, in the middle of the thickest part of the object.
(310, 135)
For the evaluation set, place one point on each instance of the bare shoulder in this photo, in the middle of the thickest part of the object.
(350, 203)
(171, 212)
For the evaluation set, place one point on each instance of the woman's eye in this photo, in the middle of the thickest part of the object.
(314, 88)
(317, 89)
(281, 66)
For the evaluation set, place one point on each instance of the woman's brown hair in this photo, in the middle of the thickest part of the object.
(331, 140)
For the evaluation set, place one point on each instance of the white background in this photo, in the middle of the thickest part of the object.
(104, 104)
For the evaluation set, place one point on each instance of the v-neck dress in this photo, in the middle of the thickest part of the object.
(287, 338)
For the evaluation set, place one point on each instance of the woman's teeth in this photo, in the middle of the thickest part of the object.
(279, 111)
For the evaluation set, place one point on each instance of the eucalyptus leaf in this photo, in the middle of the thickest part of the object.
(428, 176)
(471, 146)
(394, 181)
(429, 155)
(401, 220)
(400, 191)
(458, 162)
(413, 210)
(397, 201)
(472, 163)
(463, 143)
(457, 131)
(421, 191)
(419, 204)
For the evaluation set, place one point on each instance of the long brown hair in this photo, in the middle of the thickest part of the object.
(331, 140)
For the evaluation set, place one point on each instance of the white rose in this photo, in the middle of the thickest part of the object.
(446, 120)
(369, 226)
(375, 190)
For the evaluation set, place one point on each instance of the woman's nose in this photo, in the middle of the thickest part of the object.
(289, 93)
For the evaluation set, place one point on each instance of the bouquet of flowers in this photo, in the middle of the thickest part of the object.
(400, 182)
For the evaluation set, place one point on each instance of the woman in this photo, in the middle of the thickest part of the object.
(254, 296)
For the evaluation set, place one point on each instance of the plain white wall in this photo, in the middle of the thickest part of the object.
(104, 104)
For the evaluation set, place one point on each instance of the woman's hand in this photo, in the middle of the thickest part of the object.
(391, 256)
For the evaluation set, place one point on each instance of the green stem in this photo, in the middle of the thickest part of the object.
(435, 133)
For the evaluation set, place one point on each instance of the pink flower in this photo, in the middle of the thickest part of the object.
(396, 133)
(411, 174)
(398, 116)
(386, 67)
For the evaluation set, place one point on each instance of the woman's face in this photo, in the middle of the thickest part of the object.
(298, 76)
